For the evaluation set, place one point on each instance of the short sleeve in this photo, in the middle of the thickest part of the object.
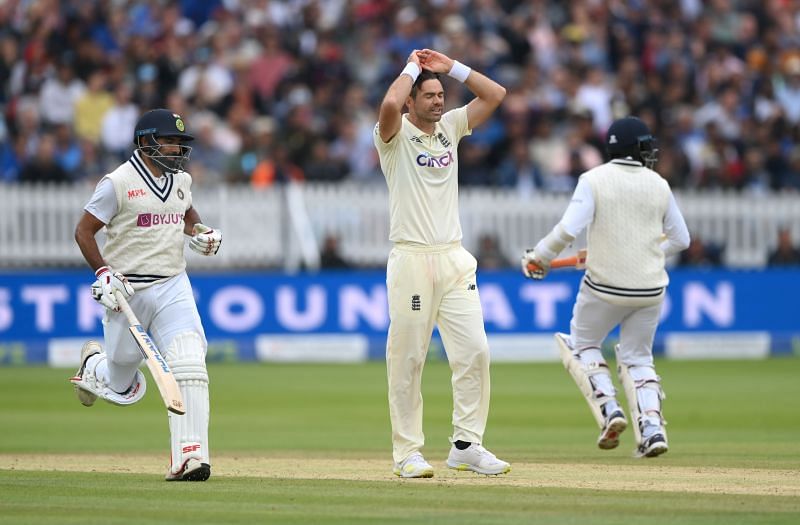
(103, 203)
(457, 122)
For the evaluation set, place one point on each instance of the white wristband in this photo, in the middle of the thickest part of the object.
(412, 70)
(459, 71)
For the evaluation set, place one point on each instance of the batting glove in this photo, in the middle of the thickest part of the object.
(108, 281)
(205, 241)
(533, 266)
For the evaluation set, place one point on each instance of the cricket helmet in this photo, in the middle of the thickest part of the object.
(158, 123)
(630, 137)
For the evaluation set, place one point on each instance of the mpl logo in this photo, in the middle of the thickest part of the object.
(139, 192)
(425, 159)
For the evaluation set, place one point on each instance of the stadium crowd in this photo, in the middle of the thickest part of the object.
(277, 90)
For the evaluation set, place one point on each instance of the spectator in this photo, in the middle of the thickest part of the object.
(43, 167)
(330, 257)
(12, 159)
(322, 166)
(700, 254)
(92, 107)
(518, 171)
(785, 254)
(118, 123)
(68, 150)
(718, 82)
(60, 93)
(490, 256)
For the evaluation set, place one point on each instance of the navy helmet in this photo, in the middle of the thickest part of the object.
(630, 137)
(158, 123)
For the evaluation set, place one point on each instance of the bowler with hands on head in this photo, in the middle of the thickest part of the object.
(146, 208)
(430, 277)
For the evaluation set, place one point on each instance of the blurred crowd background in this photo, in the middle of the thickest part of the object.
(278, 90)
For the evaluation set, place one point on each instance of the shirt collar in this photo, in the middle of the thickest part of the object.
(627, 162)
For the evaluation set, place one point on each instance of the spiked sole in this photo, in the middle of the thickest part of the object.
(467, 467)
(426, 473)
(609, 438)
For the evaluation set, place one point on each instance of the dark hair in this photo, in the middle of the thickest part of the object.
(423, 76)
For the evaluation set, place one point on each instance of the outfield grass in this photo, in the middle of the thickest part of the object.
(732, 417)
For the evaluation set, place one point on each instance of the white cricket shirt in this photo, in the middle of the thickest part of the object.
(421, 172)
(144, 218)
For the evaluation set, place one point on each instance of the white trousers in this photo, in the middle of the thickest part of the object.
(165, 310)
(429, 286)
(593, 318)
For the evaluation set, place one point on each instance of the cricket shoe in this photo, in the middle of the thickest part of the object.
(414, 466)
(653, 446)
(89, 349)
(193, 470)
(477, 459)
(615, 425)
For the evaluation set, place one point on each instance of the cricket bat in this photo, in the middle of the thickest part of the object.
(577, 261)
(159, 369)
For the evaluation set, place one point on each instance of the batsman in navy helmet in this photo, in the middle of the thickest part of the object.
(633, 224)
(630, 137)
(145, 205)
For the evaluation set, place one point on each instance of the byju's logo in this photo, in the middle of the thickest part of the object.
(424, 159)
(145, 220)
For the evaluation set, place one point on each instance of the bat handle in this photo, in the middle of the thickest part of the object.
(566, 262)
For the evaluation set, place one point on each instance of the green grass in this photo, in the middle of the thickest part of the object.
(721, 414)
(86, 498)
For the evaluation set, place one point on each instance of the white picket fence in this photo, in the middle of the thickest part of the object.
(280, 227)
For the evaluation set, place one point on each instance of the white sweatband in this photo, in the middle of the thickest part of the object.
(459, 71)
(412, 70)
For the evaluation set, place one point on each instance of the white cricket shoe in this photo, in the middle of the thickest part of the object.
(477, 459)
(89, 349)
(654, 444)
(414, 466)
(193, 470)
(615, 425)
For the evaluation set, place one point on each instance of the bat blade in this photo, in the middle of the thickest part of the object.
(159, 370)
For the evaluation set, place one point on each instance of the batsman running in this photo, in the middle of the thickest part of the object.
(146, 207)
(633, 224)
(430, 277)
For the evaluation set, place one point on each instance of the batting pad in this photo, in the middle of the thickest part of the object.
(643, 390)
(91, 382)
(189, 432)
(593, 378)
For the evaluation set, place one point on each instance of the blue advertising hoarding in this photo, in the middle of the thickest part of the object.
(344, 315)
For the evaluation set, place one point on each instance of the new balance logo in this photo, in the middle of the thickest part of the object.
(416, 139)
(471, 286)
(416, 306)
